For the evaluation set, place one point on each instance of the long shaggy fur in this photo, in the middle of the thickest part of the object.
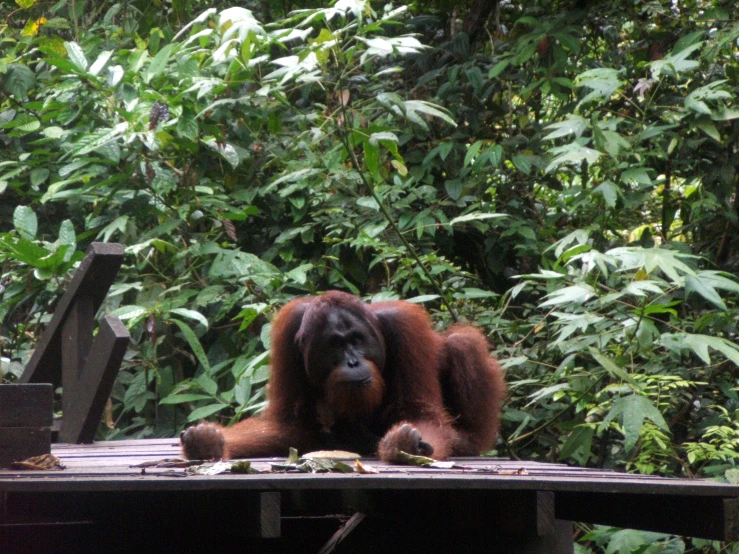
(428, 392)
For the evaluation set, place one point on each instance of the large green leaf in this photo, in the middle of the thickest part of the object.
(573, 125)
(633, 411)
(25, 222)
(159, 63)
(704, 289)
(194, 342)
(205, 411)
(612, 368)
(572, 295)
(18, 80)
(699, 344)
(76, 55)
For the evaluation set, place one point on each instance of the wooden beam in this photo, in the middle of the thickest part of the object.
(706, 517)
(26, 405)
(85, 402)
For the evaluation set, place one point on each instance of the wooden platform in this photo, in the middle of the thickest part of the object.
(101, 499)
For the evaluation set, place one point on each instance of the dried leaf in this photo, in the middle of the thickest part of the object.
(444, 465)
(359, 467)
(40, 463)
(500, 471)
(108, 415)
(230, 229)
(212, 468)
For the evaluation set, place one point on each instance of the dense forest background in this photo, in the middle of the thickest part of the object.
(561, 173)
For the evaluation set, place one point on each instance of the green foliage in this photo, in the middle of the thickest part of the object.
(241, 163)
(568, 181)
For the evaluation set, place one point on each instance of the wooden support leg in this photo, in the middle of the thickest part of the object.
(269, 516)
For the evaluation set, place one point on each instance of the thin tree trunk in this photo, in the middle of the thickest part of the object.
(474, 22)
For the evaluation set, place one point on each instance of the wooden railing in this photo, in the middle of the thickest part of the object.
(69, 355)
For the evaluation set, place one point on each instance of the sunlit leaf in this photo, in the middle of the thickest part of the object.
(700, 344)
(573, 125)
(191, 314)
(25, 222)
(575, 294)
(76, 55)
(475, 216)
(704, 289)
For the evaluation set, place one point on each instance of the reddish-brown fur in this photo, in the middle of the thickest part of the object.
(439, 391)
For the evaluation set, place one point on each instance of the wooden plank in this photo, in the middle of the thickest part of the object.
(87, 400)
(172, 480)
(256, 514)
(19, 443)
(93, 278)
(28, 405)
(76, 339)
(712, 517)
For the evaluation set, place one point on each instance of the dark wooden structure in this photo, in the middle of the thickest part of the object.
(69, 355)
(105, 501)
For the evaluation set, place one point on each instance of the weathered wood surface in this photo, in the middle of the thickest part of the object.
(104, 465)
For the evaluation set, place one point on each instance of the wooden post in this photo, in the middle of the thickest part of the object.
(25, 422)
(84, 406)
